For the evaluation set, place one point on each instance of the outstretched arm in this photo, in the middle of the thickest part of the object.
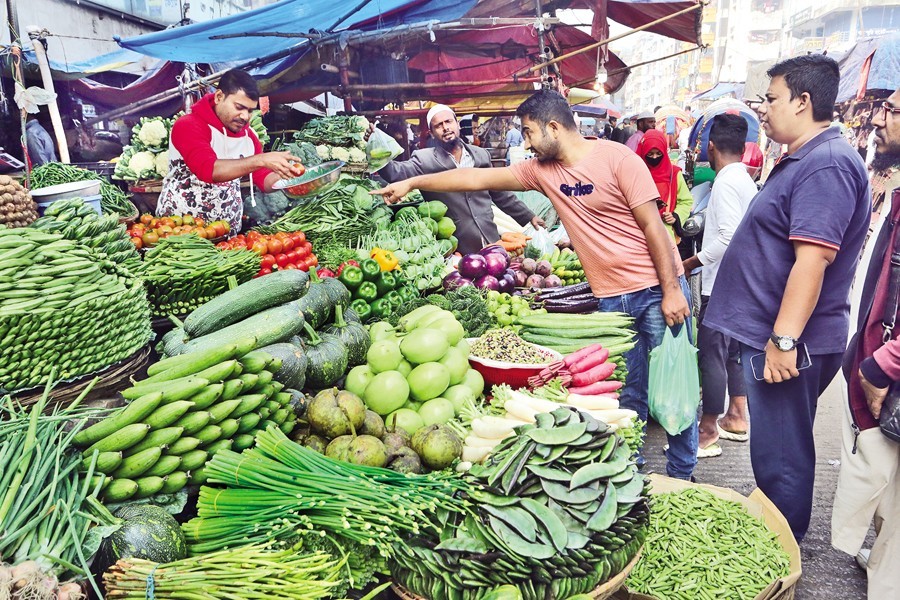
(456, 180)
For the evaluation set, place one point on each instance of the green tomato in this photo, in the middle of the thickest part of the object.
(505, 319)
(458, 395)
(424, 345)
(522, 311)
(504, 309)
(404, 368)
(437, 411)
(387, 392)
(384, 356)
(406, 419)
(358, 379)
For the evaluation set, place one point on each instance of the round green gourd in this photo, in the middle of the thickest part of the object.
(354, 336)
(147, 532)
(327, 356)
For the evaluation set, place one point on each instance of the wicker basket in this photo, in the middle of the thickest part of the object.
(132, 215)
(603, 592)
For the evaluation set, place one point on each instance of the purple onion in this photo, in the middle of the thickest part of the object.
(493, 249)
(496, 264)
(472, 266)
(487, 282)
(463, 282)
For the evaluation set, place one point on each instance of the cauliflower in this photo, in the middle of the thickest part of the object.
(162, 164)
(360, 123)
(143, 165)
(152, 133)
(362, 144)
(324, 152)
(338, 153)
(357, 156)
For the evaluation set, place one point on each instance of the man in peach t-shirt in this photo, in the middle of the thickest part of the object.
(607, 201)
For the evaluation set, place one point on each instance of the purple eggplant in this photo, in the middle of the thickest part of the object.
(487, 282)
(505, 286)
(493, 249)
(472, 266)
(565, 291)
(587, 305)
(496, 264)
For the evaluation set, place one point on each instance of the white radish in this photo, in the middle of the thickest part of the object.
(520, 410)
(475, 454)
(599, 402)
(494, 427)
(463, 467)
(480, 442)
(625, 423)
(538, 404)
(611, 416)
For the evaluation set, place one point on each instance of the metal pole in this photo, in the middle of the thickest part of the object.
(37, 42)
(12, 17)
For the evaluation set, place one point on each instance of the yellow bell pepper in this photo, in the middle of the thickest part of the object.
(385, 259)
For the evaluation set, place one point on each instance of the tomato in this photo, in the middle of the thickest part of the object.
(275, 246)
(301, 252)
(149, 238)
(313, 260)
(167, 221)
(302, 266)
(202, 233)
(308, 247)
(265, 271)
(199, 222)
(287, 244)
(290, 267)
(259, 247)
(135, 233)
(219, 228)
(299, 237)
(253, 235)
(146, 218)
(223, 246)
(268, 260)
(137, 242)
(281, 259)
(294, 257)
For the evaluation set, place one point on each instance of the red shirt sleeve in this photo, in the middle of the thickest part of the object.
(259, 175)
(193, 139)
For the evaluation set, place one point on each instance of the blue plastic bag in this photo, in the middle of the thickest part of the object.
(674, 391)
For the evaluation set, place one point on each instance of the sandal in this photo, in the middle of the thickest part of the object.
(710, 451)
(732, 436)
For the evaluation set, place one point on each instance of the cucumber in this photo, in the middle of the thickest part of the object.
(222, 371)
(133, 413)
(182, 446)
(158, 437)
(242, 442)
(263, 379)
(208, 396)
(137, 464)
(123, 439)
(173, 391)
(229, 427)
(194, 460)
(147, 486)
(209, 434)
(107, 462)
(194, 421)
(168, 414)
(216, 446)
(256, 361)
(248, 404)
(248, 422)
(233, 388)
(120, 490)
(269, 326)
(245, 300)
(174, 482)
(193, 362)
(223, 410)
(164, 466)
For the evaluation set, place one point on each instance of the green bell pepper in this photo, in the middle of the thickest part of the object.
(385, 282)
(381, 308)
(366, 291)
(408, 292)
(362, 309)
(351, 277)
(371, 269)
(394, 298)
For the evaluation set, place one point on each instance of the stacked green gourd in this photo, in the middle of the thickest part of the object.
(190, 407)
(62, 305)
(75, 220)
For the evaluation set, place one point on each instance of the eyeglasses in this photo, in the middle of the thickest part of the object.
(884, 109)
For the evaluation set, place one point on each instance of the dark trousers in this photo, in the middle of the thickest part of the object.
(782, 448)
(720, 366)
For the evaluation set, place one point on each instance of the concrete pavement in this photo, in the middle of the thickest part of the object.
(827, 573)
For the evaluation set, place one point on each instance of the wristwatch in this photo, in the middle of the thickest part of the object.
(785, 343)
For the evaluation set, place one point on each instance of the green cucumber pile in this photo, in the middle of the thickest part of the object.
(561, 509)
(75, 220)
(186, 271)
(53, 294)
(567, 333)
(190, 407)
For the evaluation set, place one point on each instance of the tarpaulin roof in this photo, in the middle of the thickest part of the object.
(111, 61)
(722, 89)
(872, 64)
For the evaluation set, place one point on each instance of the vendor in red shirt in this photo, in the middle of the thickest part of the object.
(212, 148)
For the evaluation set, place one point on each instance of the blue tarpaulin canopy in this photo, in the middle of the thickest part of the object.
(872, 64)
(722, 89)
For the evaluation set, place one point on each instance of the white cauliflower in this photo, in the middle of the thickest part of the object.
(143, 165)
(360, 123)
(338, 153)
(362, 144)
(324, 152)
(162, 164)
(357, 156)
(153, 133)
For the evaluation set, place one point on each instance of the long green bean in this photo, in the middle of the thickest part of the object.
(112, 199)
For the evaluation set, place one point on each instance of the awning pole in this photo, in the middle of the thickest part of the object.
(640, 64)
(542, 50)
(37, 42)
(590, 47)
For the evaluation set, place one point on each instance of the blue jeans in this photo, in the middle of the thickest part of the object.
(650, 325)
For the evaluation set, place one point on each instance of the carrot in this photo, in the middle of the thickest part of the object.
(598, 387)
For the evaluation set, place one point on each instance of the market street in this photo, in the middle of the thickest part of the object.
(827, 573)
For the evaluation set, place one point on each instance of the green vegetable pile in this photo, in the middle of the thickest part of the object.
(53, 294)
(335, 131)
(469, 307)
(259, 128)
(75, 220)
(376, 293)
(561, 509)
(567, 333)
(703, 546)
(112, 199)
(185, 271)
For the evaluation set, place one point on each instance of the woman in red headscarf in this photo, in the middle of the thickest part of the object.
(675, 200)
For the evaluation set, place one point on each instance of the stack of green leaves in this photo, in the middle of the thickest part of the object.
(53, 294)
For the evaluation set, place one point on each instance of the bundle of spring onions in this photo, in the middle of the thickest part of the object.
(249, 572)
(295, 488)
(49, 512)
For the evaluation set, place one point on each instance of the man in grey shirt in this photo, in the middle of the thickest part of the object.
(471, 211)
(39, 144)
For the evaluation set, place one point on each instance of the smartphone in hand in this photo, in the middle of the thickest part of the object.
(758, 362)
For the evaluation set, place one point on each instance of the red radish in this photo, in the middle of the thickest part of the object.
(598, 373)
(590, 361)
(571, 359)
(598, 387)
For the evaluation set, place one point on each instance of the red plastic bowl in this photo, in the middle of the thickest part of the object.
(515, 375)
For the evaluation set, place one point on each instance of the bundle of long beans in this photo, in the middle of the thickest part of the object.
(48, 507)
(248, 572)
(112, 198)
(292, 488)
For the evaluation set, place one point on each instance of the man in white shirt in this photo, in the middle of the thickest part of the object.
(732, 191)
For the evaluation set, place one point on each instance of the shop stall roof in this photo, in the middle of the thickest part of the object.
(721, 90)
(871, 65)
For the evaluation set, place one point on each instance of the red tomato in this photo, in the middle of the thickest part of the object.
(290, 267)
(287, 244)
(260, 247)
(281, 259)
(268, 260)
(301, 252)
(299, 237)
(313, 260)
(265, 271)
(302, 266)
(275, 246)
(308, 246)
(294, 257)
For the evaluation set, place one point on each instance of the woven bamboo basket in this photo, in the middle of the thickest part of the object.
(603, 592)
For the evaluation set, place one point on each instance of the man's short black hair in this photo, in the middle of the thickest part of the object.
(612, 118)
(545, 106)
(817, 75)
(235, 81)
(729, 133)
